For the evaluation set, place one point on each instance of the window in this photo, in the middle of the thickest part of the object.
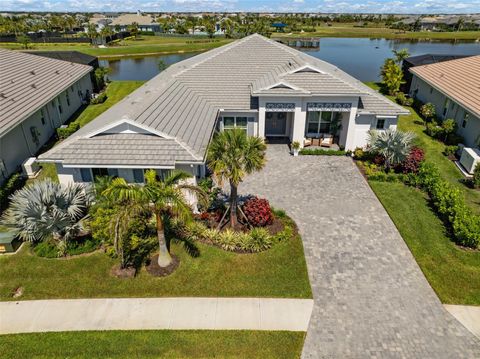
(68, 98)
(230, 122)
(321, 121)
(59, 106)
(380, 124)
(466, 116)
(138, 175)
(86, 175)
(42, 116)
(445, 106)
(431, 90)
(102, 172)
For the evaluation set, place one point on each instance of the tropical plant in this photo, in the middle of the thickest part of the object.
(413, 161)
(231, 156)
(258, 212)
(101, 76)
(393, 145)
(476, 176)
(92, 32)
(133, 29)
(400, 55)
(392, 76)
(45, 209)
(428, 111)
(448, 126)
(162, 198)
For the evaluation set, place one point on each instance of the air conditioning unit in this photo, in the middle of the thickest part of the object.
(30, 167)
(469, 159)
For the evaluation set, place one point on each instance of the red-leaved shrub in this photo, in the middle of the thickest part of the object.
(258, 212)
(412, 163)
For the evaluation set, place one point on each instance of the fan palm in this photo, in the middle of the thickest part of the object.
(392, 144)
(231, 156)
(47, 208)
(162, 198)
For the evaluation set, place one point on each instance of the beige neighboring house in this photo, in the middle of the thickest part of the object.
(454, 88)
(254, 84)
(145, 22)
(37, 95)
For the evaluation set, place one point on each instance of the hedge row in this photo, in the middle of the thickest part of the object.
(450, 204)
(321, 152)
(16, 181)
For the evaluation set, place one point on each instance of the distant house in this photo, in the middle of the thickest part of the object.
(144, 22)
(420, 60)
(37, 95)
(453, 87)
(254, 84)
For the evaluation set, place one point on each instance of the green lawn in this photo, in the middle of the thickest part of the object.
(279, 272)
(349, 30)
(116, 91)
(434, 153)
(154, 344)
(143, 45)
(454, 273)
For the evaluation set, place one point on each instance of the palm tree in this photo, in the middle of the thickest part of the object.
(47, 208)
(393, 145)
(401, 55)
(162, 198)
(232, 155)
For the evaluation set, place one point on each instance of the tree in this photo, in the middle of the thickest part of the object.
(100, 76)
(46, 209)
(133, 29)
(428, 111)
(400, 55)
(210, 28)
(392, 76)
(393, 145)
(92, 32)
(24, 40)
(449, 126)
(231, 156)
(106, 32)
(162, 198)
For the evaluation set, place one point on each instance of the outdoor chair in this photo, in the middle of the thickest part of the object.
(326, 141)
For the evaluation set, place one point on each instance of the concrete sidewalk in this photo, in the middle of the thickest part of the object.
(155, 313)
(468, 315)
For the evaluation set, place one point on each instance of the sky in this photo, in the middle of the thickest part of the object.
(326, 6)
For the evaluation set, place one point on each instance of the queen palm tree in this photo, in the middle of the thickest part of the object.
(47, 208)
(162, 198)
(393, 145)
(231, 156)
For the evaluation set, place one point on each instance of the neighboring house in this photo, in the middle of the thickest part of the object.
(144, 22)
(73, 56)
(420, 60)
(37, 95)
(453, 87)
(255, 84)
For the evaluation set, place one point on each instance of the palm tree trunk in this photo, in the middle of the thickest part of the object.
(164, 258)
(233, 204)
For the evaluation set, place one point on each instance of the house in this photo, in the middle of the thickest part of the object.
(453, 87)
(144, 22)
(37, 95)
(420, 60)
(255, 84)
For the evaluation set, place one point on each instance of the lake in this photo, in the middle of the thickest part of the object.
(360, 57)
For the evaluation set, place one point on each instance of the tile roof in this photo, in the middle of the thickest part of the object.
(183, 101)
(28, 82)
(458, 79)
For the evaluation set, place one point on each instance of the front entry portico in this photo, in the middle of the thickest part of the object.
(277, 124)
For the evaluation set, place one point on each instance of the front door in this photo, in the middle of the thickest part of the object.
(275, 123)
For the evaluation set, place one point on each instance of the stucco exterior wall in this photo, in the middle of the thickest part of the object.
(426, 93)
(19, 143)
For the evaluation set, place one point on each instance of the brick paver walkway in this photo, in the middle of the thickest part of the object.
(371, 298)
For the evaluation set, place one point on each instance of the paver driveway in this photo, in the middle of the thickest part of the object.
(371, 299)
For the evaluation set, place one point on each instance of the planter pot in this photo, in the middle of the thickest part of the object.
(295, 152)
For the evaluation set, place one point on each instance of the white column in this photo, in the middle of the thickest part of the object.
(350, 141)
(299, 120)
(261, 122)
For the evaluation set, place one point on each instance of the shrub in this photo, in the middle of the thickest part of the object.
(370, 169)
(453, 139)
(428, 111)
(321, 152)
(476, 176)
(379, 177)
(359, 153)
(412, 162)
(101, 98)
(449, 126)
(64, 132)
(403, 100)
(433, 130)
(258, 212)
(259, 240)
(14, 182)
(450, 150)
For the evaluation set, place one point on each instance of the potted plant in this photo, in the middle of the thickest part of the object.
(295, 148)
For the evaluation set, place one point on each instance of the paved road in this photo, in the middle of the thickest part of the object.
(155, 313)
(371, 298)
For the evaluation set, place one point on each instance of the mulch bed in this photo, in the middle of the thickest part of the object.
(123, 273)
(154, 269)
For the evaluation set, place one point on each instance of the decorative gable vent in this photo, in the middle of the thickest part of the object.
(281, 86)
(307, 69)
